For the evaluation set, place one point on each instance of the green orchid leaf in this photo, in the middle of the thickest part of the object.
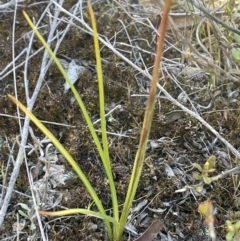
(23, 214)
(32, 226)
(230, 226)
(212, 162)
(209, 164)
(196, 165)
(205, 209)
(236, 37)
(206, 179)
(24, 206)
(229, 236)
(237, 226)
(236, 55)
(196, 176)
(199, 189)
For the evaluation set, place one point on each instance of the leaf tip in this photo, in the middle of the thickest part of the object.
(13, 99)
(9, 96)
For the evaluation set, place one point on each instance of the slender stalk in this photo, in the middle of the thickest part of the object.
(139, 159)
(103, 120)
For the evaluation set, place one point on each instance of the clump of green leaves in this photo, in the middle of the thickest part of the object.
(28, 214)
(115, 224)
(233, 233)
(232, 37)
(204, 171)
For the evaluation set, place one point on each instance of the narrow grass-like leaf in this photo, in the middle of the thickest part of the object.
(76, 95)
(102, 115)
(79, 210)
(103, 151)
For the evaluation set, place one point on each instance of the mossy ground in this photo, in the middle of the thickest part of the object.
(184, 143)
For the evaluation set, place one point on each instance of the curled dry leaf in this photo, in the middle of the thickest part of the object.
(74, 71)
(151, 232)
(157, 210)
(19, 226)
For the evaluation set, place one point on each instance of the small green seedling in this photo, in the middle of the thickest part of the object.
(233, 233)
(207, 168)
(231, 15)
(206, 210)
(27, 214)
(230, 7)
